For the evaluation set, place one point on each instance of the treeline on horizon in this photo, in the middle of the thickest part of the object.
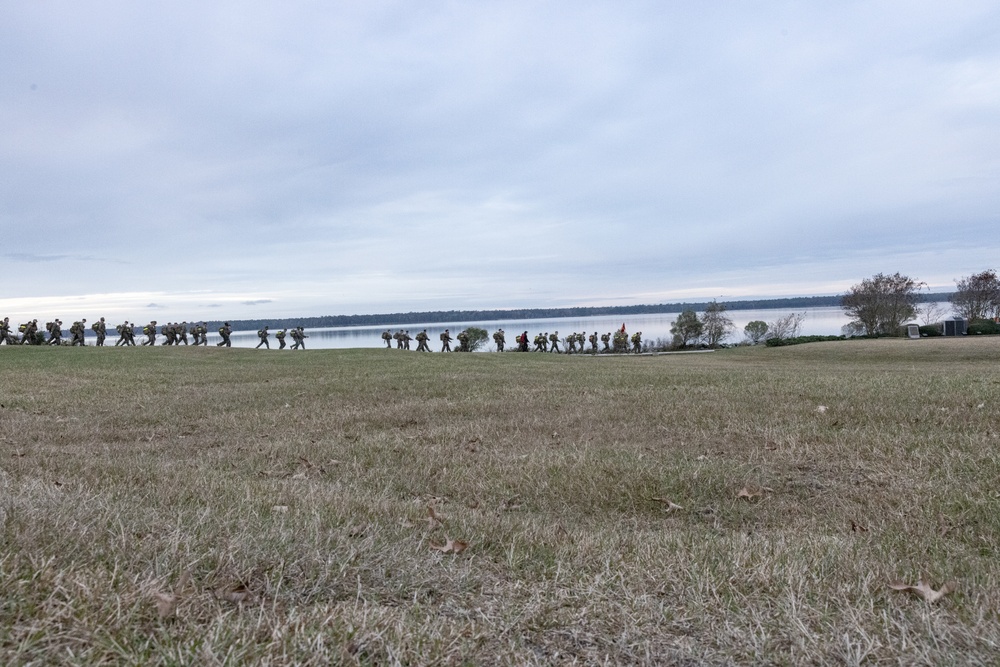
(441, 316)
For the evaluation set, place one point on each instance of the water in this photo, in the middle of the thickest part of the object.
(825, 321)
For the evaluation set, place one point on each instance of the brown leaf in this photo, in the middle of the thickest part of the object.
(670, 505)
(858, 528)
(925, 590)
(451, 546)
(236, 594)
(166, 604)
(433, 518)
(748, 493)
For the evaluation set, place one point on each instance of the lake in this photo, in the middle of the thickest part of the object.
(818, 321)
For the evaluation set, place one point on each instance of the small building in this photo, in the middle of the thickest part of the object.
(955, 326)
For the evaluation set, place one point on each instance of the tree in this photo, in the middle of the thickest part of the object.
(786, 327)
(686, 329)
(931, 312)
(881, 304)
(716, 327)
(476, 338)
(755, 331)
(977, 297)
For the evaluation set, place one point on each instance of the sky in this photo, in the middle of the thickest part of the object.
(228, 160)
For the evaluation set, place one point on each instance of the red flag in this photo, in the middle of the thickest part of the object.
(623, 327)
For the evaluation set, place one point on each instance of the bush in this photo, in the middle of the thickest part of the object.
(477, 338)
(930, 330)
(798, 340)
(981, 327)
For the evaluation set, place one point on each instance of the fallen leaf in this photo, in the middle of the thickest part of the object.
(858, 528)
(237, 594)
(821, 409)
(670, 505)
(451, 546)
(166, 604)
(433, 518)
(280, 509)
(702, 458)
(925, 590)
(753, 492)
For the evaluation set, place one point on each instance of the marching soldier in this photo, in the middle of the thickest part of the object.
(637, 342)
(300, 339)
(281, 338)
(463, 341)
(593, 342)
(446, 341)
(571, 343)
(5, 336)
(78, 330)
(499, 340)
(422, 338)
(225, 330)
(182, 333)
(387, 337)
(101, 329)
(150, 332)
(169, 332)
(606, 338)
(406, 339)
(263, 334)
(55, 332)
(555, 343)
(523, 342)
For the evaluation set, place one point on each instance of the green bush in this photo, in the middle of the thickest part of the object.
(981, 327)
(930, 330)
(799, 340)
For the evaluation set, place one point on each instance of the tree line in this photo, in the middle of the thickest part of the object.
(878, 306)
(437, 316)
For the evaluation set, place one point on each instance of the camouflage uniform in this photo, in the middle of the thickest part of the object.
(225, 330)
(555, 343)
(571, 343)
(406, 339)
(422, 338)
(498, 338)
(281, 338)
(182, 333)
(446, 341)
(150, 331)
(606, 338)
(55, 332)
(78, 330)
(387, 337)
(523, 342)
(463, 341)
(299, 336)
(593, 342)
(5, 336)
(263, 334)
(101, 329)
(637, 342)
(169, 332)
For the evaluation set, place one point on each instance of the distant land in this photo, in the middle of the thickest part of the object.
(435, 316)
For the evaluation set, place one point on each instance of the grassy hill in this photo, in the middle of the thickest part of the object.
(218, 506)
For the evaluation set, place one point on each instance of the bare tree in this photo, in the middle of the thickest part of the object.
(881, 304)
(977, 297)
(786, 327)
(931, 312)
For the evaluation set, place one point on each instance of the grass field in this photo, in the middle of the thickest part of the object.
(218, 507)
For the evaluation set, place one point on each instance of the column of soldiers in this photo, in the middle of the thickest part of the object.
(174, 333)
(543, 342)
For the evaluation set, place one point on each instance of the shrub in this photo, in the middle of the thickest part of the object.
(981, 327)
(798, 340)
(930, 330)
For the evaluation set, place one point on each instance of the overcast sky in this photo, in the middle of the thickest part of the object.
(193, 160)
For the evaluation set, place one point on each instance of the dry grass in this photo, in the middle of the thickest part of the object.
(179, 506)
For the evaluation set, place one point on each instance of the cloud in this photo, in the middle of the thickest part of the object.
(367, 158)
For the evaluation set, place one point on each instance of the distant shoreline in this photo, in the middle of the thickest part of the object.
(435, 316)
